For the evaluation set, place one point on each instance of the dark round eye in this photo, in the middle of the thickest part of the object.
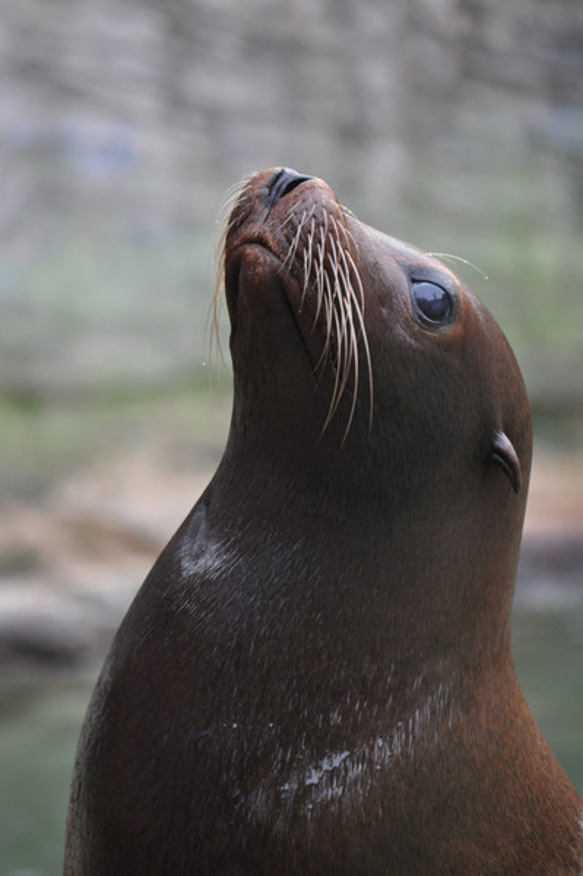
(433, 302)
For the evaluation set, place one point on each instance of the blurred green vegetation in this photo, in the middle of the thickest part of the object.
(91, 313)
(41, 443)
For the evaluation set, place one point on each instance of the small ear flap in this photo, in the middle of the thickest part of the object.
(504, 455)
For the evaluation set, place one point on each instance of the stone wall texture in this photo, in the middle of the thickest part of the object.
(127, 121)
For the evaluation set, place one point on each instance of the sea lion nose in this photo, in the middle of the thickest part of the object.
(283, 182)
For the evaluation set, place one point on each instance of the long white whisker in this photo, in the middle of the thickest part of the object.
(459, 259)
(363, 334)
(294, 244)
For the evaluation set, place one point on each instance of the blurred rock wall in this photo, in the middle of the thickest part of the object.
(127, 121)
(139, 96)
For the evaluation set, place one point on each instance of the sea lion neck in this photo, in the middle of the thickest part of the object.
(366, 401)
(440, 603)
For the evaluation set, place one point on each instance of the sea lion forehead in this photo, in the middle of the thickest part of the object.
(416, 263)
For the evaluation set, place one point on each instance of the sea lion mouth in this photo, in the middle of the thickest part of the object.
(297, 221)
(254, 255)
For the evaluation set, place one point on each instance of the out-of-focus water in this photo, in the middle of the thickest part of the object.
(548, 652)
(39, 726)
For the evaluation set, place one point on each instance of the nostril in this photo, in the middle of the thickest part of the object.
(284, 182)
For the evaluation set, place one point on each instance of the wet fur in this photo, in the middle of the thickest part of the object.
(316, 677)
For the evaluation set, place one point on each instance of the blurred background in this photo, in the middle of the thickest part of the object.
(456, 124)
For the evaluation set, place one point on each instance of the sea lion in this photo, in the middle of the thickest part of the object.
(316, 677)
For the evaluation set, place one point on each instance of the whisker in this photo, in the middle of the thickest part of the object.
(348, 212)
(331, 270)
(324, 246)
(363, 334)
(460, 260)
(294, 244)
(335, 400)
(344, 228)
(320, 273)
(308, 260)
(329, 330)
(343, 300)
(351, 269)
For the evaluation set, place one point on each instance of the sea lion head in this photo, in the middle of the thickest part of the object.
(362, 358)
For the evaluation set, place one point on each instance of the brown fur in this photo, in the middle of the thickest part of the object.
(316, 677)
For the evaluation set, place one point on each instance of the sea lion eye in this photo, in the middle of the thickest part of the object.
(433, 302)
